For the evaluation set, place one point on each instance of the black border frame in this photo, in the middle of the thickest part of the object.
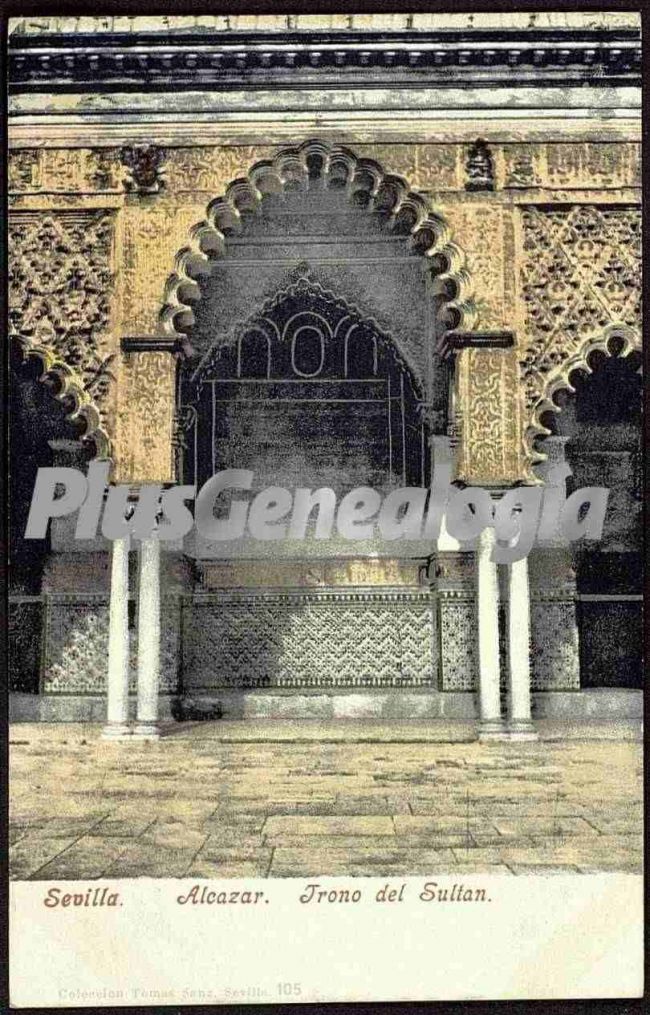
(43, 8)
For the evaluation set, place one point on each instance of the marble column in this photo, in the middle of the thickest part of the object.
(117, 725)
(487, 598)
(147, 726)
(520, 725)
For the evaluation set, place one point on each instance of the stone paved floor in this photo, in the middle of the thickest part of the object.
(283, 799)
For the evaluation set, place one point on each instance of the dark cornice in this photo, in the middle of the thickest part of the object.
(127, 61)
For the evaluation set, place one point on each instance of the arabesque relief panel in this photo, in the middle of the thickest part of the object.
(490, 448)
(154, 229)
(431, 168)
(479, 228)
(579, 278)
(573, 272)
(144, 450)
(65, 170)
(62, 284)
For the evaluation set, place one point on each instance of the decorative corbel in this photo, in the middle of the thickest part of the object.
(455, 340)
(177, 345)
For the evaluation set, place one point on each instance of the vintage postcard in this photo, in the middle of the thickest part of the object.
(325, 507)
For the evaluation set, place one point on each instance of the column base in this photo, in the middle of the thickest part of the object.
(492, 729)
(146, 731)
(116, 731)
(521, 729)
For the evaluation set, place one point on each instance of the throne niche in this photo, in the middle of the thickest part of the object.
(328, 382)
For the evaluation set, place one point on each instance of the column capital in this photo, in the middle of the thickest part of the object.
(65, 444)
(66, 452)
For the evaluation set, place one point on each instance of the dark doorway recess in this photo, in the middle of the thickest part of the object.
(601, 420)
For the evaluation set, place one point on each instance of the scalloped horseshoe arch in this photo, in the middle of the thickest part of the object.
(316, 163)
(70, 389)
(560, 381)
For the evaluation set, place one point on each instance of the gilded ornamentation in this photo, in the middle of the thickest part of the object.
(60, 290)
(150, 230)
(24, 170)
(146, 418)
(521, 166)
(69, 170)
(438, 167)
(571, 165)
(431, 168)
(572, 292)
(209, 170)
(488, 415)
(103, 169)
(609, 165)
(478, 229)
(63, 169)
(580, 282)
(426, 167)
(396, 158)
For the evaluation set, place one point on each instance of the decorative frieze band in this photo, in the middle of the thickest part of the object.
(159, 170)
(360, 597)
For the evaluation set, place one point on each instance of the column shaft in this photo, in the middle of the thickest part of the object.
(520, 716)
(148, 639)
(117, 725)
(488, 637)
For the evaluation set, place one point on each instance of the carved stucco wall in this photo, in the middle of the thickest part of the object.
(62, 305)
(580, 282)
(90, 256)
